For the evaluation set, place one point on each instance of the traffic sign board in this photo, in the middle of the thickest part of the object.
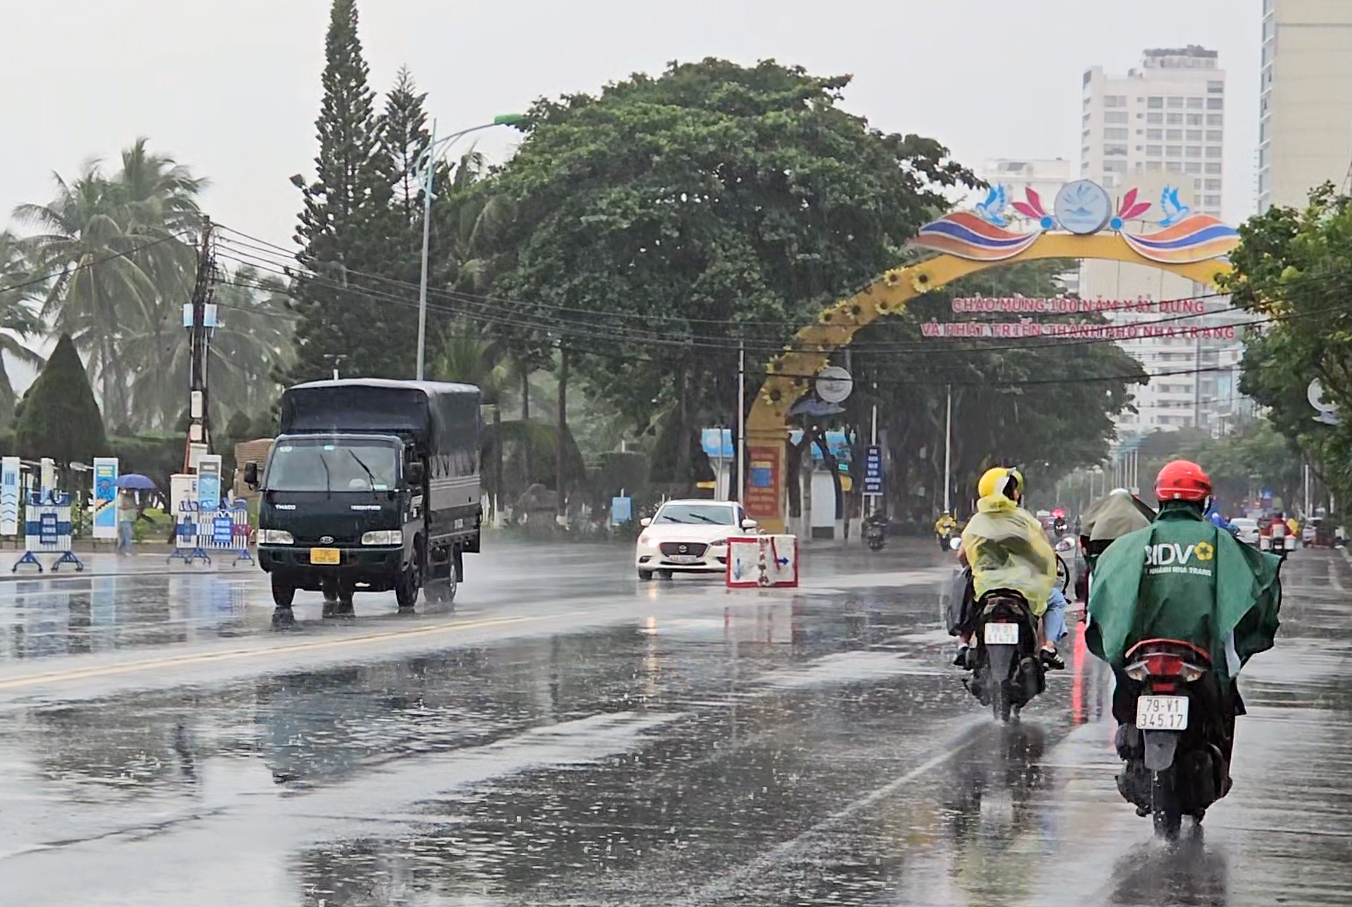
(873, 470)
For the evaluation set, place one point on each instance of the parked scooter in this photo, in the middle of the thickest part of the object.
(1174, 766)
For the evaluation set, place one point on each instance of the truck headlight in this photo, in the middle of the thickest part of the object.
(275, 537)
(383, 537)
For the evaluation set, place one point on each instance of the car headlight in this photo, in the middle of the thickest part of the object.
(645, 542)
(275, 537)
(383, 537)
(718, 543)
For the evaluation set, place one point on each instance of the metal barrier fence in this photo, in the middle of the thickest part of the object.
(47, 530)
(220, 530)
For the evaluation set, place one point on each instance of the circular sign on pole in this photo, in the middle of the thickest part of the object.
(1328, 412)
(834, 384)
(1083, 207)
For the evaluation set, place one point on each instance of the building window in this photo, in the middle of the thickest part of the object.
(1114, 166)
(1194, 103)
(1213, 135)
(1174, 119)
(1084, 136)
(1215, 119)
(1154, 151)
(1192, 167)
(1213, 185)
(1194, 135)
(1174, 135)
(1114, 100)
(1156, 135)
(1215, 87)
(1173, 166)
(1196, 184)
(1212, 201)
(1194, 119)
(1175, 103)
(1122, 134)
(1115, 116)
(1085, 119)
(1173, 150)
(1219, 103)
(1154, 103)
(1114, 150)
(1263, 157)
(1194, 151)
(1152, 166)
(1213, 150)
(1213, 168)
(1154, 119)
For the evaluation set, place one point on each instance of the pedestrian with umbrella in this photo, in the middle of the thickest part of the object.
(127, 508)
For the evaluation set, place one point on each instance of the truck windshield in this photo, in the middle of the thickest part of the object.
(332, 465)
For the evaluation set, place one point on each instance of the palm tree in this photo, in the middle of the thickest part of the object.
(97, 286)
(18, 317)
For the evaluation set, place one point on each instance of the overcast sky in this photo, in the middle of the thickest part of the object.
(231, 87)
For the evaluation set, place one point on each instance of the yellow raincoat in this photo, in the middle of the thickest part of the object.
(1007, 548)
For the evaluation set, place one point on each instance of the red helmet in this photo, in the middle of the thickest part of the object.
(1182, 480)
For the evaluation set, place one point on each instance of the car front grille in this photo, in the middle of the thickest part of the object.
(693, 549)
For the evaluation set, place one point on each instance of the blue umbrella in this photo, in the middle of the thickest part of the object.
(136, 482)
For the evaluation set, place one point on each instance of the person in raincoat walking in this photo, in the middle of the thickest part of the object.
(1184, 578)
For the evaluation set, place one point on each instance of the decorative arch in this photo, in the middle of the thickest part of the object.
(809, 351)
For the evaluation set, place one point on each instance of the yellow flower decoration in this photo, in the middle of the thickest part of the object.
(1204, 551)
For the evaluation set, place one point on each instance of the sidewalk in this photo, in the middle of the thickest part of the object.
(104, 563)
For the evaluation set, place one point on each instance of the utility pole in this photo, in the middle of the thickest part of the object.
(203, 318)
(948, 448)
(741, 419)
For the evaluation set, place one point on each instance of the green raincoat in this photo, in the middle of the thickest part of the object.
(1182, 578)
(1007, 548)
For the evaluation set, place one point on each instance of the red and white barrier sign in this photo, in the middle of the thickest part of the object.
(762, 561)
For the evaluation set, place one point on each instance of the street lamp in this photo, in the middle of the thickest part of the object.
(427, 160)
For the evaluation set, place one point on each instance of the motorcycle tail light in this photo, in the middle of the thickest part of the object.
(1164, 665)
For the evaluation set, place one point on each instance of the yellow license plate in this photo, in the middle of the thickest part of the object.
(325, 556)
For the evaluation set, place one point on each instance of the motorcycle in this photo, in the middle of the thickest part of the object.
(875, 531)
(1173, 766)
(1008, 672)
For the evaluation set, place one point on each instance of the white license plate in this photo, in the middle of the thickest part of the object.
(682, 558)
(1162, 713)
(1002, 634)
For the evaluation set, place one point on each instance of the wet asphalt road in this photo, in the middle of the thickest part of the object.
(568, 736)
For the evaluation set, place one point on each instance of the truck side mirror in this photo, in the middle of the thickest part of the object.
(415, 473)
(251, 475)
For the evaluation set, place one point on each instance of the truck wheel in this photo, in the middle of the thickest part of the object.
(407, 587)
(283, 594)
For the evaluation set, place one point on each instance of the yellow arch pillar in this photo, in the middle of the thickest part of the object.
(809, 352)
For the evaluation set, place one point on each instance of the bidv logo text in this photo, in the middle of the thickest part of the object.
(1171, 557)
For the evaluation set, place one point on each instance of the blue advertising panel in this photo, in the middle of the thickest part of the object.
(873, 470)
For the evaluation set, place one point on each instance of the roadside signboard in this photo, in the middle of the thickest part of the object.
(873, 470)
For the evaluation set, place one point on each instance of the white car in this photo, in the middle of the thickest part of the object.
(689, 537)
(1248, 530)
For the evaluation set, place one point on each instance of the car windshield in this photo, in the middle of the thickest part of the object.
(714, 514)
(332, 465)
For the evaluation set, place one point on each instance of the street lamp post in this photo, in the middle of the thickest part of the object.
(427, 160)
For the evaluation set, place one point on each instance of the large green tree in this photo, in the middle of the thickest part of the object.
(660, 220)
(19, 286)
(1294, 268)
(60, 418)
(348, 229)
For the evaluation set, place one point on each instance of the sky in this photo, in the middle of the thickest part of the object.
(231, 87)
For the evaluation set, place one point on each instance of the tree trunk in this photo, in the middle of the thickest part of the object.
(497, 459)
(561, 471)
(525, 423)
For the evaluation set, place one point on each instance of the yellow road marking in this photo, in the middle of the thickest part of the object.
(235, 654)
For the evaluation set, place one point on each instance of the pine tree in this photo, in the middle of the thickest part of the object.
(58, 416)
(404, 129)
(349, 231)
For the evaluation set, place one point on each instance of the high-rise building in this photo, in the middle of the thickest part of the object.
(1305, 99)
(1161, 127)
(1044, 176)
(1166, 117)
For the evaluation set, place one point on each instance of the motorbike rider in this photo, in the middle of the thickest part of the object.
(1007, 548)
(945, 528)
(1183, 578)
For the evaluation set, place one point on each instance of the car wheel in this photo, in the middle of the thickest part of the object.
(283, 594)
(645, 576)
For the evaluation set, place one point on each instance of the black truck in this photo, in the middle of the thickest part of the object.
(371, 485)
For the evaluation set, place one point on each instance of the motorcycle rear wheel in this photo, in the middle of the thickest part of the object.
(1164, 805)
(1000, 701)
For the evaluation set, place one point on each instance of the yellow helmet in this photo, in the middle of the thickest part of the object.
(1000, 480)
